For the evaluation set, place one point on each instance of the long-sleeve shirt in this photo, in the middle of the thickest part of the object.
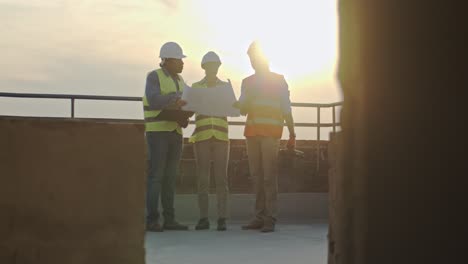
(156, 100)
(256, 81)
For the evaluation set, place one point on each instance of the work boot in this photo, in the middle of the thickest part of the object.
(268, 226)
(154, 227)
(222, 224)
(203, 224)
(174, 225)
(255, 224)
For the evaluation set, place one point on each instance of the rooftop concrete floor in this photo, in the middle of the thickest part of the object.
(291, 243)
(300, 237)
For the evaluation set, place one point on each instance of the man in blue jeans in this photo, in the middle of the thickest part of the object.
(163, 91)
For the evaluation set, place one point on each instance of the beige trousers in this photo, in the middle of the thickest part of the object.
(263, 163)
(205, 152)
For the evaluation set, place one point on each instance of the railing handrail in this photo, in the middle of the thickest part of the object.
(321, 105)
(74, 97)
(125, 98)
(71, 96)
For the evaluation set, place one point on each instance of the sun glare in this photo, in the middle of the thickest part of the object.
(299, 37)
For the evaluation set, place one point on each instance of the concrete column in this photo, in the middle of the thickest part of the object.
(397, 68)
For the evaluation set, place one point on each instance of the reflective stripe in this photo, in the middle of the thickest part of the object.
(205, 135)
(268, 121)
(212, 121)
(145, 102)
(267, 113)
(149, 114)
(204, 128)
(267, 102)
(201, 117)
(162, 126)
(263, 130)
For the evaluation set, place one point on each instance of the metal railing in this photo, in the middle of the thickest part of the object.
(72, 97)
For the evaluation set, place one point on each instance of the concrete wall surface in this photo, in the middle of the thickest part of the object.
(292, 207)
(71, 191)
(306, 174)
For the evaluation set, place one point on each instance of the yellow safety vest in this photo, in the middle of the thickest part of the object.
(209, 126)
(167, 86)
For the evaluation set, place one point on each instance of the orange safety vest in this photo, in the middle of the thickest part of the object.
(264, 115)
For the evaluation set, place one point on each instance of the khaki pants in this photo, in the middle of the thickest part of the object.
(263, 163)
(218, 151)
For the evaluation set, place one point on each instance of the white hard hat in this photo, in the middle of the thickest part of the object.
(210, 57)
(254, 47)
(171, 50)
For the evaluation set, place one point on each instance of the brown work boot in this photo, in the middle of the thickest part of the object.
(268, 227)
(203, 224)
(253, 225)
(222, 224)
(174, 225)
(154, 227)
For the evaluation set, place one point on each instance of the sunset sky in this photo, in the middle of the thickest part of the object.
(106, 47)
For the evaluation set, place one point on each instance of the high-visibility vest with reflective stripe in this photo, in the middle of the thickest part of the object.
(167, 86)
(209, 126)
(265, 116)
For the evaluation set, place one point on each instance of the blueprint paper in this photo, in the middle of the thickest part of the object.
(212, 101)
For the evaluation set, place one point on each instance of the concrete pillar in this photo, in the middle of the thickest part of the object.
(396, 70)
(334, 178)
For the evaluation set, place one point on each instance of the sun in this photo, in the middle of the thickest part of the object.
(299, 37)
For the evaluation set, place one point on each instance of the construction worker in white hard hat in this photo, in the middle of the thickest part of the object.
(211, 142)
(162, 101)
(265, 100)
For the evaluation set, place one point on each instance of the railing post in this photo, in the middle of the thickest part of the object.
(73, 107)
(334, 122)
(318, 138)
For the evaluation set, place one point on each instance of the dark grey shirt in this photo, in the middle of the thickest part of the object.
(156, 100)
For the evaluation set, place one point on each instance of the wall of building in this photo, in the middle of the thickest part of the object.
(71, 192)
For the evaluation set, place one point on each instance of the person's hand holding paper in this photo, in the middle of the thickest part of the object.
(213, 101)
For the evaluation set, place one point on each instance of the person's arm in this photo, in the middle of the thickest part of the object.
(242, 102)
(288, 117)
(290, 124)
(156, 100)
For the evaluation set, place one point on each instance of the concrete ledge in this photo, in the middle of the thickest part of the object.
(71, 192)
(293, 207)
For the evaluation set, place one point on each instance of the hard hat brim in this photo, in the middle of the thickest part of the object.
(178, 57)
(218, 62)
